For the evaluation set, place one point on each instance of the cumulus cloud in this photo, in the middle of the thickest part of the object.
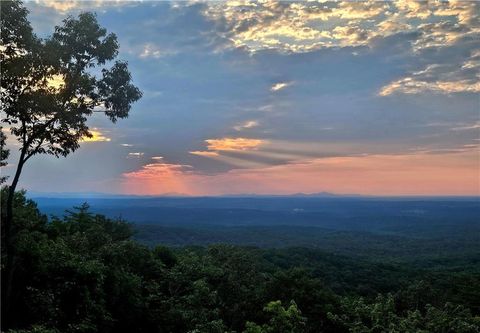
(305, 26)
(299, 27)
(289, 26)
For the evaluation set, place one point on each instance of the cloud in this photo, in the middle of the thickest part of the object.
(233, 144)
(136, 154)
(126, 145)
(61, 6)
(289, 26)
(410, 85)
(65, 6)
(97, 136)
(266, 108)
(306, 26)
(435, 28)
(154, 170)
(280, 85)
(433, 32)
(205, 153)
(151, 51)
(467, 127)
(246, 125)
(440, 78)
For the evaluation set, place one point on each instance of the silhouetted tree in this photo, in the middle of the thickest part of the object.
(49, 88)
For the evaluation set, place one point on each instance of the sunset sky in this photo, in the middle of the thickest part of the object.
(377, 98)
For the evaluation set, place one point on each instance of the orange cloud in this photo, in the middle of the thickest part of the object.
(154, 170)
(233, 144)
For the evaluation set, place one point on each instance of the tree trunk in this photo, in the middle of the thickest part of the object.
(11, 195)
(9, 247)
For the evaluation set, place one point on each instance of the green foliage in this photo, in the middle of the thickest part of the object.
(30, 225)
(358, 316)
(311, 295)
(36, 329)
(282, 320)
(83, 273)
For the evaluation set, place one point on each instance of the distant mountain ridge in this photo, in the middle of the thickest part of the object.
(100, 195)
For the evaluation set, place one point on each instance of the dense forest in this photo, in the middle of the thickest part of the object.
(84, 272)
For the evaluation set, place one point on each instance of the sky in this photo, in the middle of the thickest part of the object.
(374, 98)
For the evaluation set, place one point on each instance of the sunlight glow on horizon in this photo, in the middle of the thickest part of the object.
(414, 174)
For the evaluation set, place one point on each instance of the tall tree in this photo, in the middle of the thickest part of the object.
(51, 86)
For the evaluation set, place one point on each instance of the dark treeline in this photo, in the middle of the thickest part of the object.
(85, 273)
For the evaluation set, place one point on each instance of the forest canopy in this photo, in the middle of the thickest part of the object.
(84, 273)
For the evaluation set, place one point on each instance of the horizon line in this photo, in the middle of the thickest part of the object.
(40, 194)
